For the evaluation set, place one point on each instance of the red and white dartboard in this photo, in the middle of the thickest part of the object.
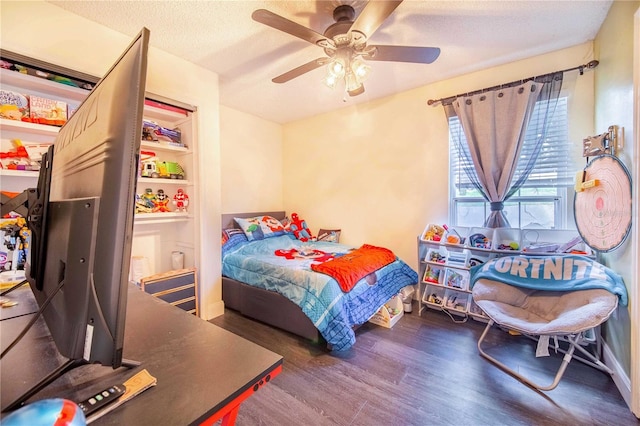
(603, 212)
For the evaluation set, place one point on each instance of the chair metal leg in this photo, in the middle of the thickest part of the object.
(563, 366)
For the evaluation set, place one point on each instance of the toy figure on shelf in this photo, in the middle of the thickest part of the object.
(141, 205)
(181, 201)
(161, 202)
(144, 202)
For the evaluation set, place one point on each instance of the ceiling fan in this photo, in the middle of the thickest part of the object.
(345, 44)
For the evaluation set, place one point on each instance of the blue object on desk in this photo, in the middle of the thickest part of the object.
(47, 412)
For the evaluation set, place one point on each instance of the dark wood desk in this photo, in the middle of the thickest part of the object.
(204, 372)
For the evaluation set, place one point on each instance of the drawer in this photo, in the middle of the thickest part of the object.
(179, 288)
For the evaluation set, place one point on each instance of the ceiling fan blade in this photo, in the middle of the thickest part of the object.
(297, 72)
(420, 55)
(283, 24)
(373, 15)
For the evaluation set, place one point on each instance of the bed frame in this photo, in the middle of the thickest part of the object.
(263, 305)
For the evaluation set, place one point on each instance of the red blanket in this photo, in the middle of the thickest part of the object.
(355, 265)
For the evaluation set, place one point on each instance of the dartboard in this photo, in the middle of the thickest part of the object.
(603, 212)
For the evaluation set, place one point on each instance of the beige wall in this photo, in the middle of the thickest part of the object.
(614, 48)
(251, 149)
(46, 32)
(379, 171)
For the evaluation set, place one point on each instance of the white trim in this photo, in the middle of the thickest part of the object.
(619, 377)
(634, 290)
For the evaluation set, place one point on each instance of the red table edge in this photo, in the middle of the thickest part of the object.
(229, 412)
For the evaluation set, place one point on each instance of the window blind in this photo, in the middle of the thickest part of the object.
(553, 166)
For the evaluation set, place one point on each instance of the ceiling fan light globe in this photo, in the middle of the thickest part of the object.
(361, 70)
(356, 91)
(337, 68)
(330, 81)
(352, 83)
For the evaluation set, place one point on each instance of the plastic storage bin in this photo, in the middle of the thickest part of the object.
(433, 232)
(456, 278)
(456, 236)
(480, 238)
(456, 300)
(433, 296)
(433, 274)
(507, 240)
(389, 314)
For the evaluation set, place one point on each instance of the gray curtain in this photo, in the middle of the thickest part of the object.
(495, 123)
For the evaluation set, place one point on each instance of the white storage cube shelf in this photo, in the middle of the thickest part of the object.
(445, 265)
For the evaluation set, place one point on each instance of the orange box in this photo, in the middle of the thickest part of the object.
(47, 111)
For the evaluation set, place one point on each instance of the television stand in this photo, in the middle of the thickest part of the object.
(58, 372)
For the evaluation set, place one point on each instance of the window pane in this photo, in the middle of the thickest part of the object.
(538, 215)
(512, 212)
(470, 214)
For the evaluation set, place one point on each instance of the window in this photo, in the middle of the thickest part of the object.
(546, 198)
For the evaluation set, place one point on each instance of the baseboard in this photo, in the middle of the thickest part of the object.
(619, 376)
(212, 310)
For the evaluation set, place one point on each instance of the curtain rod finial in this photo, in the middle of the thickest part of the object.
(593, 64)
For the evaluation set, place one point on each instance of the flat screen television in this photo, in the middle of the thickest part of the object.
(81, 220)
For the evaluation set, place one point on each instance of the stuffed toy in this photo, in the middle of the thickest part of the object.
(300, 229)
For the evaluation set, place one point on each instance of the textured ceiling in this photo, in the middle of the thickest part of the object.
(222, 37)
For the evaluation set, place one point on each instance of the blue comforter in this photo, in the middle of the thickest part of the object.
(319, 296)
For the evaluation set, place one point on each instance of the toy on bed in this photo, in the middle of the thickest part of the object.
(300, 229)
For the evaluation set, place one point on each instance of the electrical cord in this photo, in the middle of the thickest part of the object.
(455, 320)
(33, 320)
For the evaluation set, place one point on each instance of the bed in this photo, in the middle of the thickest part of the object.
(264, 281)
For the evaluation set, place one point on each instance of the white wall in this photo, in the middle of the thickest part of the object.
(379, 171)
(251, 149)
(47, 32)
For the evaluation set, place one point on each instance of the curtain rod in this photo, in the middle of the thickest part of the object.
(581, 68)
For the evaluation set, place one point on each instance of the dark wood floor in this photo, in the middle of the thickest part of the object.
(426, 370)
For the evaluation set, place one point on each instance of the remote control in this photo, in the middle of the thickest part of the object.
(101, 399)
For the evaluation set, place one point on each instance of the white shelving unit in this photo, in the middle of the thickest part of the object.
(156, 235)
(444, 262)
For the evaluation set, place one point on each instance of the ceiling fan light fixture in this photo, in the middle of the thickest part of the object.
(345, 44)
(352, 82)
(331, 80)
(357, 90)
(360, 69)
(337, 67)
